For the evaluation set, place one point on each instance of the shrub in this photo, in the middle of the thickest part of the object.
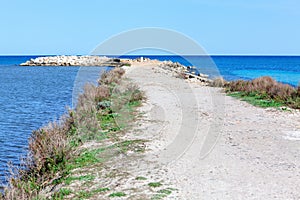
(126, 64)
(103, 93)
(86, 100)
(267, 88)
(135, 93)
(48, 152)
(218, 82)
(262, 84)
(111, 77)
(48, 147)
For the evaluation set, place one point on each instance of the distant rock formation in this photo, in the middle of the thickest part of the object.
(73, 61)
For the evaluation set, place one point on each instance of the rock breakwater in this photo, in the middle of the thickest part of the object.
(73, 61)
(187, 72)
(173, 68)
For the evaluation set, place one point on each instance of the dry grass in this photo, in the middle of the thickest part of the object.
(111, 77)
(218, 82)
(103, 93)
(41, 145)
(48, 151)
(268, 88)
(135, 93)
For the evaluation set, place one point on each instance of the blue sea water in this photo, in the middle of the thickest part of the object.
(32, 96)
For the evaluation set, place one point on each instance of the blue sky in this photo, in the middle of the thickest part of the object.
(220, 27)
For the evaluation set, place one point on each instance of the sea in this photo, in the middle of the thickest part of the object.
(30, 97)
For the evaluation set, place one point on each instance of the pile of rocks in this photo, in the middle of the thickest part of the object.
(174, 66)
(72, 61)
(188, 72)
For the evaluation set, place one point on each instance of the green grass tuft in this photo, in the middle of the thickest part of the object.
(155, 184)
(61, 194)
(256, 99)
(140, 178)
(117, 194)
(68, 180)
(162, 194)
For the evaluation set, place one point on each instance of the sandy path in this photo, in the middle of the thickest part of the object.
(257, 154)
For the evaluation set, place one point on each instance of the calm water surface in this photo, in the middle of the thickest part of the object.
(30, 97)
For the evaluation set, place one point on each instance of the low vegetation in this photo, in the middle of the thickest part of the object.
(58, 149)
(263, 91)
(218, 82)
(155, 184)
(117, 194)
(161, 194)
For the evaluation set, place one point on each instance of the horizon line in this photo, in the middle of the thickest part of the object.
(152, 55)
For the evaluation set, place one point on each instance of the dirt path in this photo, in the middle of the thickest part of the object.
(256, 153)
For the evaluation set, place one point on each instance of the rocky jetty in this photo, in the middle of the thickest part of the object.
(187, 72)
(173, 68)
(73, 61)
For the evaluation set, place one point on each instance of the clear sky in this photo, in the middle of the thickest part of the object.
(219, 26)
